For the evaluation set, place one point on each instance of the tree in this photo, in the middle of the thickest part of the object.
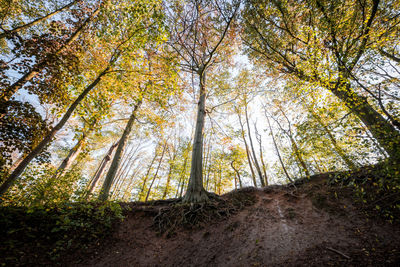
(143, 29)
(8, 33)
(44, 61)
(198, 35)
(322, 43)
(105, 190)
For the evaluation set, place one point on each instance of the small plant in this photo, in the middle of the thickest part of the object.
(51, 231)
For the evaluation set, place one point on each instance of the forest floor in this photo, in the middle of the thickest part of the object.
(311, 224)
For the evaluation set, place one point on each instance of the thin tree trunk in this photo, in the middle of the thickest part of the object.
(260, 176)
(235, 181)
(182, 187)
(129, 186)
(208, 174)
(72, 155)
(220, 179)
(195, 192)
(65, 164)
(8, 33)
(277, 150)
(238, 174)
(105, 190)
(295, 148)
(247, 151)
(38, 67)
(101, 168)
(264, 168)
(206, 159)
(48, 138)
(148, 173)
(118, 186)
(124, 169)
(156, 173)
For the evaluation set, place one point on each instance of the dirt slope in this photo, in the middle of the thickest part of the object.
(306, 226)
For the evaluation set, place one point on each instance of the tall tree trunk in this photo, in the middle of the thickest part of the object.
(47, 139)
(122, 176)
(140, 195)
(195, 192)
(156, 173)
(207, 159)
(38, 67)
(264, 167)
(253, 176)
(295, 148)
(124, 169)
(219, 179)
(101, 168)
(260, 176)
(277, 150)
(237, 174)
(105, 190)
(8, 33)
(72, 155)
(65, 164)
(384, 132)
(208, 174)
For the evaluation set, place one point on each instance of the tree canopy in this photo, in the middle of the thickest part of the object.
(138, 100)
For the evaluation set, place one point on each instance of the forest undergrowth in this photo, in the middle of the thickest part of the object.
(47, 234)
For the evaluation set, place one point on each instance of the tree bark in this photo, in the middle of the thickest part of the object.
(260, 176)
(72, 155)
(122, 177)
(277, 150)
(101, 168)
(384, 132)
(124, 169)
(48, 138)
(8, 33)
(105, 190)
(238, 175)
(294, 146)
(264, 167)
(247, 151)
(65, 164)
(195, 192)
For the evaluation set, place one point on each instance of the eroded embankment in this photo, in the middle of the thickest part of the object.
(311, 225)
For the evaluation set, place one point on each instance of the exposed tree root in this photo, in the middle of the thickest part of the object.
(175, 216)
